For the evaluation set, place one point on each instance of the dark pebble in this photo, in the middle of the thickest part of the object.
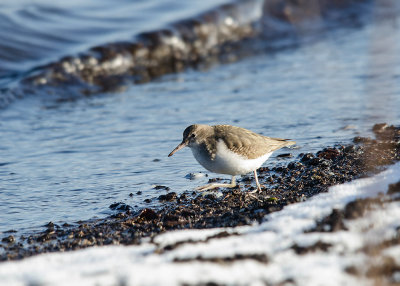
(307, 157)
(379, 127)
(168, 197)
(188, 213)
(318, 246)
(324, 163)
(394, 188)
(349, 149)
(9, 239)
(363, 140)
(159, 187)
(285, 155)
(50, 225)
(148, 214)
(328, 153)
(314, 161)
(211, 197)
(332, 223)
(357, 208)
(120, 206)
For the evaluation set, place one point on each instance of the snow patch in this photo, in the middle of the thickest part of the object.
(274, 238)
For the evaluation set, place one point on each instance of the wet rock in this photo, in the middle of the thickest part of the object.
(284, 155)
(188, 213)
(8, 239)
(195, 176)
(50, 225)
(328, 153)
(120, 206)
(358, 208)
(318, 246)
(349, 149)
(148, 215)
(379, 127)
(394, 188)
(294, 165)
(331, 223)
(388, 133)
(359, 139)
(314, 161)
(352, 270)
(168, 197)
(307, 157)
(160, 187)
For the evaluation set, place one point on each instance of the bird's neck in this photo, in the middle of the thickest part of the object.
(205, 146)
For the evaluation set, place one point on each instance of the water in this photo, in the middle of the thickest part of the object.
(37, 32)
(63, 162)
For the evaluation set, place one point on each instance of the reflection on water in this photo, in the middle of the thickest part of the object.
(70, 161)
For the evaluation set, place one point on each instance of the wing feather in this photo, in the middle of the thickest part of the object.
(248, 143)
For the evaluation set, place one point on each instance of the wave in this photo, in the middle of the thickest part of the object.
(223, 34)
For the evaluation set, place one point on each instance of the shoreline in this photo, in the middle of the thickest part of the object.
(308, 175)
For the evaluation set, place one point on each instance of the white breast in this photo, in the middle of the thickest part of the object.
(228, 162)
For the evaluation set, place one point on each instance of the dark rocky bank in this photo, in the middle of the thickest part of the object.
(304, 177)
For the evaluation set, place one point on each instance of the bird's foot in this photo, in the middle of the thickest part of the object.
(258, 190)
(253, 196)
(213, 186)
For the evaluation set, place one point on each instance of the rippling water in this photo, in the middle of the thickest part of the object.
(37, 32)
(69, 161)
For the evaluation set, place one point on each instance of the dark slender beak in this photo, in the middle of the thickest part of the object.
(179, 147)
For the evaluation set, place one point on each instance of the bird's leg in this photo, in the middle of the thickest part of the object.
(217, 185)
(257, 183)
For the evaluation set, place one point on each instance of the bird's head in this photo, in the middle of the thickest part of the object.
(193, 135)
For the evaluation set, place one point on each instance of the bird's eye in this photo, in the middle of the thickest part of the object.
(193, 135)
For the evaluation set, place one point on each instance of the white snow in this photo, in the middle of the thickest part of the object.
(146, 265)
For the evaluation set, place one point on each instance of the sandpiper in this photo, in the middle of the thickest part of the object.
(230, 150)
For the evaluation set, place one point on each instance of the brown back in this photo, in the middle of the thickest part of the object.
(248, 143)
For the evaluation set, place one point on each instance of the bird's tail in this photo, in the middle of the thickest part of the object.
(289, 143)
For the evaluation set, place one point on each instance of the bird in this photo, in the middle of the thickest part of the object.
(230, 150)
